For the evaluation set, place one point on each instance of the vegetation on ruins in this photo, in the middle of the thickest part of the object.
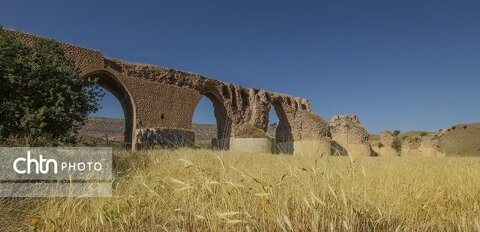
(42, 101)
(397, 145)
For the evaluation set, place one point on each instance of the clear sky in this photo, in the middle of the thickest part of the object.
(404, 65)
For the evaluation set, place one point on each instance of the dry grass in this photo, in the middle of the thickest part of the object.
(217, 191)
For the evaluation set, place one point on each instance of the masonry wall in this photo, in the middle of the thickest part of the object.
(159, 99)
(242, 106)
(158, 105)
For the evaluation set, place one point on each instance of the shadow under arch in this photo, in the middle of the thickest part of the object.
(224, 123)
(283, 132)
(111, 83)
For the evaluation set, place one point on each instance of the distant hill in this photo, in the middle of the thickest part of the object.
(103, 128)
(458, 140)
(205, 131)
(100, 128)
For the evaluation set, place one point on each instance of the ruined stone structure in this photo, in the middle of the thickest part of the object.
(159, 103)
(349, 135)
(384, 148)
(426, 146)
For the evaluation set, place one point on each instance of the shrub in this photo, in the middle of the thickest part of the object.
(397, 145)
(454, 127)
(423, 134)
(396, 132)
(464, 127)
(40, 92)
(380, 145)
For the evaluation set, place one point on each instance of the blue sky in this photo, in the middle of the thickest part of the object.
(404, 65)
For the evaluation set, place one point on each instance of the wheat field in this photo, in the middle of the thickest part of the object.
(202, 190)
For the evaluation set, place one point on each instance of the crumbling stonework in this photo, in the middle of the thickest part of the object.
(156, 99)
(387, 138)
(234, 105)
(347, 128)
(348, 133)
(426, 146)
(384, 148)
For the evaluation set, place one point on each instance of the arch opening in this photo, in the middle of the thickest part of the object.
(211, 131)
(279, 127)
(114, 90)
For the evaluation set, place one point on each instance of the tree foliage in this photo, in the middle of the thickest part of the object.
(41, 95)
(397, 132)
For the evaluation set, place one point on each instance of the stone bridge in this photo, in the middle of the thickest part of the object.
(159, 103)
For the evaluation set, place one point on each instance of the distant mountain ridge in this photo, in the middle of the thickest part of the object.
(113, 129)
(103, 128)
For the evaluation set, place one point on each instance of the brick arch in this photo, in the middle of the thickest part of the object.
(111, 83)
(159, 102)
(224, 122)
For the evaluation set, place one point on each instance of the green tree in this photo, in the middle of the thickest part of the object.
(41, 96)
(396, 132)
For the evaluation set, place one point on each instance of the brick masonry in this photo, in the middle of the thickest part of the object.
(161, 101)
